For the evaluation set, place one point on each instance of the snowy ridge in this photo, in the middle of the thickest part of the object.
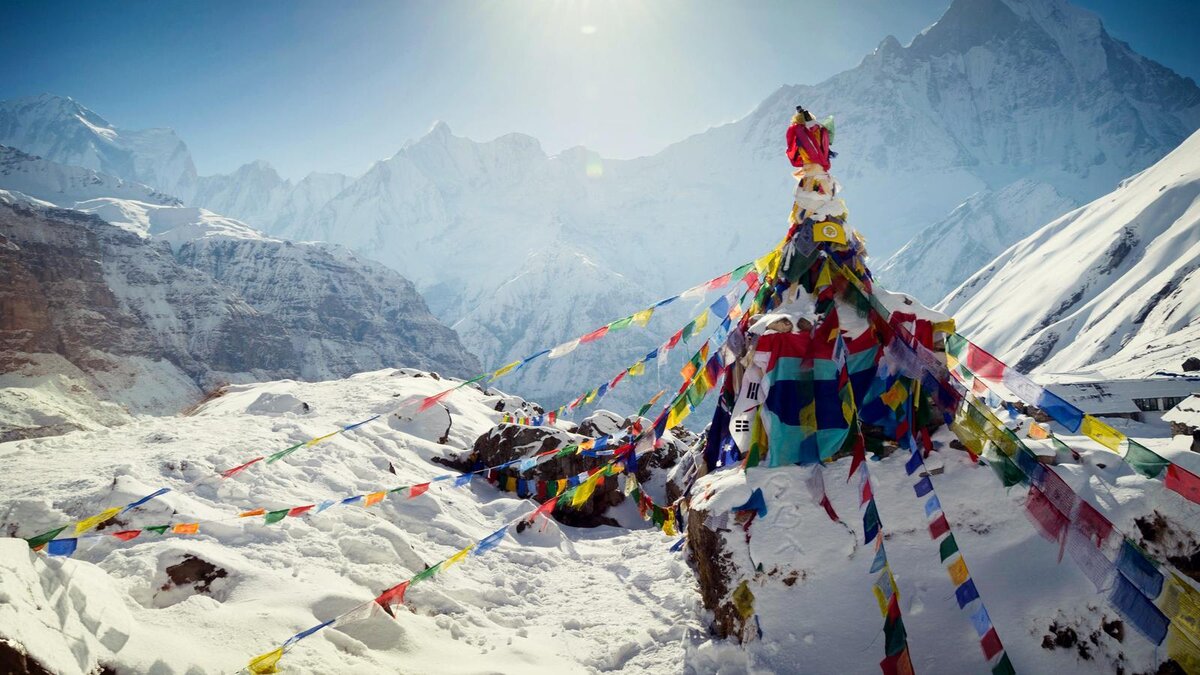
(943, 255)
(1113, 284)
(63, 131)
(508, 610)
(63, 184)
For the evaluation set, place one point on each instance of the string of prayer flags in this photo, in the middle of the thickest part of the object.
(85, 524)
(887, 594)
(965, 591)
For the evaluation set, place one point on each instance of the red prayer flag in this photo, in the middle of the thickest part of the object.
(867, 493)
(719, 281)
(617, 379)
(939, 527)
(293, 512)
(897, 664)
(430, 400)
(984, 364)
(126, 535)
(893, 610)
(828, 506)
(238, 469)
(594, 335)
(991, 644)
(417, 490)
(1184, 482)
(673, 341)
(392, 596)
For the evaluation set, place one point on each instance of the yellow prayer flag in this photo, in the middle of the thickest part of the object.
(669, 524)
(1101, 433)
(318, 439)
(824, 278)
(958, 571)
(457, 557)
(504, 370)
(373, 498)
(264, 664)
(946, 326)
(562, 486)
(643, 317)
(585, 489)
(638, 368)
(88, 523)
(700, 322)
(829, 231)
(186, 528)
(766, 264)
(510, 484)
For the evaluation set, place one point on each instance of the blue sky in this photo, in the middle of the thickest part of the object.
(313, 85)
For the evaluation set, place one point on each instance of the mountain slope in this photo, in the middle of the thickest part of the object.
(63, 184)
(943, 255)
(1115, 281)
(256, 194)
(63, 131)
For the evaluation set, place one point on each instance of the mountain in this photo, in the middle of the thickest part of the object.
(255, 193)
(943, 255)
(148, 305)
(1114, 285)
(996, 97)
(62, 184)
(61, 130)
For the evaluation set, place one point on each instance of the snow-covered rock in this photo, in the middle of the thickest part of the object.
(256, 194)
(65, 184)
(1112, 286)
(98, 311)
(61, 130)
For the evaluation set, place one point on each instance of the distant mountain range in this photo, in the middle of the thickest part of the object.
(981, 129)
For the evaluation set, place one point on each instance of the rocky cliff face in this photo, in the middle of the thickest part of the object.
(122, 317)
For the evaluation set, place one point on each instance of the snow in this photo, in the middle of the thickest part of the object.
(563, 600)
(1111, 286)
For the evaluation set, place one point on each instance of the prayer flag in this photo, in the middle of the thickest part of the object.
(392, 596)
(186, 528)
(1101, 433)
(932, 506)
(63, 547)
(643, 317)
(40, 540)
(491, 541)
(126, 535)
(564, 349)
(299, 510)
(958, 571)
(991, 644)
(966, 593)
(506, 369)
(981, 621)
(620, 324)
(1139, 570)
(594, 335)
(373, 498)
(252, 512)
(939, 527)
(152, 495)
(1183, 482)
(947, 548)
(923, 487)
(417, 490)
(263, 664)
(88, 523)
(276, 516)
(1144, 460)
(457, 557)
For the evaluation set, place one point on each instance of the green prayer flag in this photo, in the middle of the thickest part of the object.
(620, 324)
(160, 529)
(1006, 470)
(284, 453)
(567, 450)
(1144, 460)
(956, 345)
(1004, 667)
(41, 539)
(688, 330)
(424, 574)
(948, 548)
(895, 637)
(741, 271)
(276, 516)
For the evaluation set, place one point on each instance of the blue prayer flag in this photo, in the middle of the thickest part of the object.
(923, 487)
(981, 620)
(966, 593)
(490, 542)
(61, 546)
(1139, 570)
(914, 462)
(755, 503)
(932, 506)
(1138, 610)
